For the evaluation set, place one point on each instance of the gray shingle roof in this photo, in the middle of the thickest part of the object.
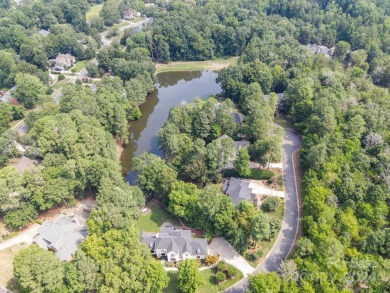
(238, 117)
(238, 190)
(63, 236)
(178, 241)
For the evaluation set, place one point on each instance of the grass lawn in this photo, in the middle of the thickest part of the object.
(255, 174)
(283, 121)
(216, 64)
(80, 65)
(94, 11)
(209, 283)
(153, 220)
(6, 258)
(60, 84)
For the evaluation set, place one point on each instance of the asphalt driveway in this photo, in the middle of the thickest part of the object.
(289, 231)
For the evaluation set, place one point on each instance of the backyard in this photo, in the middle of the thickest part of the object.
(152, 221)
(209, 282)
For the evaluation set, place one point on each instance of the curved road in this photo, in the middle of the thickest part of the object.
(290, 226)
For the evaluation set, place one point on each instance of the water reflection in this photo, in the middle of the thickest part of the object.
(172, 89)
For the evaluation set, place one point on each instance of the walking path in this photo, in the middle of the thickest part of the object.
(288, 234)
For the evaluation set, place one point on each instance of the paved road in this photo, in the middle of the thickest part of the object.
(287, 235)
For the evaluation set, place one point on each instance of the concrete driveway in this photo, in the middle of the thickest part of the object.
(230, 255)
(26, 236)
(288, 233)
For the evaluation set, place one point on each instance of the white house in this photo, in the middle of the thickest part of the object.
(175, 245)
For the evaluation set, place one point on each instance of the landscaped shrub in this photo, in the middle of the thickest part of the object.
(220, 276)
(232, 271)
(211, 259)
(222, 266)
(250, 256)
(61, 77)
(270, 204)
(259, 254)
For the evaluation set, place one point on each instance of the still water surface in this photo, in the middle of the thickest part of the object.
(172, 89)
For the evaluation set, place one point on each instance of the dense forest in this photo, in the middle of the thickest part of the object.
(340, 105)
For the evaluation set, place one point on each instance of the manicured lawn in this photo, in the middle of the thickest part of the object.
(6, 267)
(60, 84)
(255, 174)
(283, 121)
(216, 64)
(172, 285)
(209, 283)
(94, 11)
(80, 65)
(136, 20)
(158, 215)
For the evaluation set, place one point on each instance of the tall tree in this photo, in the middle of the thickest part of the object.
(189, 277)
(242, 163)
(38, 270)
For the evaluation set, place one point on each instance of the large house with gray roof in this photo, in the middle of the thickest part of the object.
(175, 244)
(63, 236)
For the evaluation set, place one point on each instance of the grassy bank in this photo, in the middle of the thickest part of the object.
(216, 64)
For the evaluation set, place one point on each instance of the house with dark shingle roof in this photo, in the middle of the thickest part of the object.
(175, 244)
(63, 236)
(238, 190)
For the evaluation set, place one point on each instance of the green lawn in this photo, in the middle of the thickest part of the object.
(283, 121)
(216, 64)
(158, 215)
(80, 65)
(209, 283)
(94, 11)
(60, 84)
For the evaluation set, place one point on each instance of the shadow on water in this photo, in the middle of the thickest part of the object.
(172, 89)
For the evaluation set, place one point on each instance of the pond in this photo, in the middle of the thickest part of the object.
(172, 89)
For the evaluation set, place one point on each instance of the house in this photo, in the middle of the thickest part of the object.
(7, 96)
(238, 117)
(279, 106)
(44, 33)
(64, 61)
(238, 190)
(321, 50)
(241, 189)
(238, 144)
(175, 244)
(63, 236)
(131, 14)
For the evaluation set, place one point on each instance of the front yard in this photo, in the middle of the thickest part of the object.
(266, 246)
(152, 221)
(80, 65)
(209, 285)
